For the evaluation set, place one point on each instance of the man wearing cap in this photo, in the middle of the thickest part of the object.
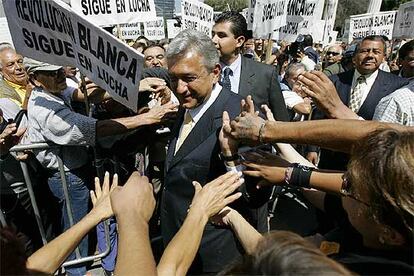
(51, 119)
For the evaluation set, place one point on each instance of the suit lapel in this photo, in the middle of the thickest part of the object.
(378, 91)
(345, 85)
(246, 78)
(207, 124)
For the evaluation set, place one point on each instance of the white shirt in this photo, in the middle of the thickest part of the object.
(308, 63)
(198, 112)
(369, 81)
(235, 77)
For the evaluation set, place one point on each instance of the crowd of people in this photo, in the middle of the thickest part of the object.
(246, 156)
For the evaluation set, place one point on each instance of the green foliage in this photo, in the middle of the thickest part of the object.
(223, 5)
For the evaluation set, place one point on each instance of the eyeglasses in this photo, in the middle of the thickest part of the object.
(332, 53)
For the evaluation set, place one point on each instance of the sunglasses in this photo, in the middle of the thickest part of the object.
(332, 53)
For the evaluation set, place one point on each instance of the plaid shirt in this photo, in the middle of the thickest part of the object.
(398, 107)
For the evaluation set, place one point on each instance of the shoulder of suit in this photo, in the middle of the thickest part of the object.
(258, 65)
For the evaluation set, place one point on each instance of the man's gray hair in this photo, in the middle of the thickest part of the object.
(193, 41)
(3, 47)
(293, 67)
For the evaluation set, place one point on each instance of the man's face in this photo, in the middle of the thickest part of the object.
(225, 41)
(293, 79)
(407, 65)
(12, 67)
(155, 57)
(259, 44)
(369, 56)
(334, 54)
(51, 81)
(191, 81)
(249, 44)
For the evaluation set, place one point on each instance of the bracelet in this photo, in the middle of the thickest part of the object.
(261, 132)
(298, 175)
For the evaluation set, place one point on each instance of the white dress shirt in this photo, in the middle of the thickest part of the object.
(369, 81)
(235, 76)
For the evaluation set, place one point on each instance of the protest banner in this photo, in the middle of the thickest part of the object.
(5, 35)
(250, 14)
(112, 12)
(362, 25)
(130, 30)
(50, 31)
(197, 16)
(329, 15)
(286, 19)
(172, 30)
(404, 25)
(154, 30)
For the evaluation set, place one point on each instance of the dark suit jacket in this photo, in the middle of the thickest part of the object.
(385, 84)
(261, 82)
(198, 159)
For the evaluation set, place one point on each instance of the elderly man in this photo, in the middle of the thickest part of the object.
(154, 56)
(332, 64)
(13, 85)
(197, 144)
(51, 119)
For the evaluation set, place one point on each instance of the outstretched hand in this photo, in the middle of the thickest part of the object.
(135, 199)
(229, 145)
(101, 196)
(211, 198)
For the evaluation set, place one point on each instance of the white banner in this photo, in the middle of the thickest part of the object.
(197, 16)
(172, 31)
(329, 15)
(130, 30)
(50, 31)
(362, 25)
(250, 14)
(154, 30)
(112, 12)
(404, 25)
(286, 19)
(5, 35)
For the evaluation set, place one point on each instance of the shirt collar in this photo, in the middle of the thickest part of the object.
(15, 85)
(234, 66)
(198, 112)
(368, 77)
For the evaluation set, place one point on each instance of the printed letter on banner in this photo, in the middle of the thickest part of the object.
(196, 16)
(112, 12)
(362, 25)
(58, 35)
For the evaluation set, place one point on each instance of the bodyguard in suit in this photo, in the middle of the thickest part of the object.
(195, 148)
(242, 75)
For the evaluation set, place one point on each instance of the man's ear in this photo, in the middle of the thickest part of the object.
(389, 236)
(216, 73)
(240, 41)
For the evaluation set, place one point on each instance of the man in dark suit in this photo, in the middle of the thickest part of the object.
(358, 92)
(195, 148)
(242, 75)
(309, 51)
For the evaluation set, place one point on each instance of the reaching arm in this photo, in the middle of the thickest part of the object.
(207, 201)
(49, 258)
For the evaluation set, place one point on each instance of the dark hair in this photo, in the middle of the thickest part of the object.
(405, 50)
(382, 166)
(13, 257)
(153, 46)
(307, 40)
(238, 22)
(296, 47)
(285, 253)
(372, 38)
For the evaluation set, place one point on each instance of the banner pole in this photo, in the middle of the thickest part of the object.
(269, 47)
(85, 92)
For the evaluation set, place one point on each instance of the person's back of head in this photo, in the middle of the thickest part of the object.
(285, 253)
(381, 172)
(307, 40)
